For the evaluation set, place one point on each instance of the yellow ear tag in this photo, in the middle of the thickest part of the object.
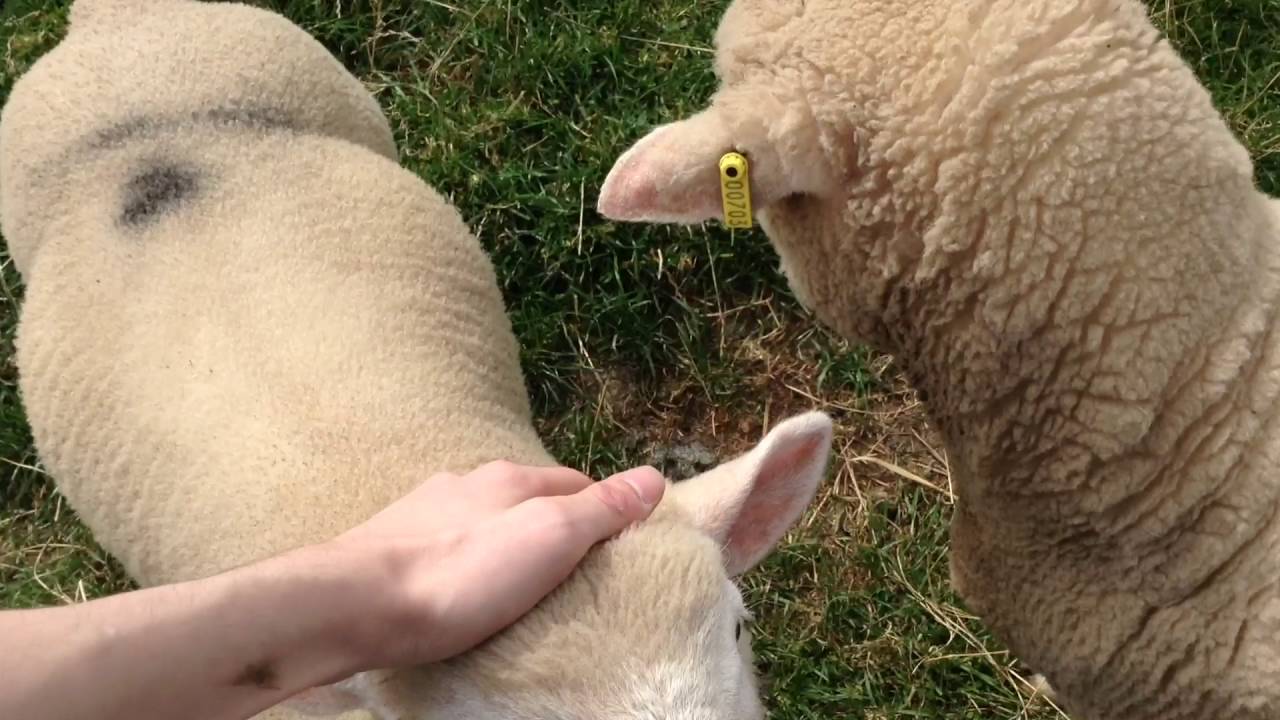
(735, 190)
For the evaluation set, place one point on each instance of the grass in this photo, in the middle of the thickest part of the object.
(637, 339)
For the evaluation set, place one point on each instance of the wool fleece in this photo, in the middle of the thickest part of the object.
(1035, 206)
(248, 329)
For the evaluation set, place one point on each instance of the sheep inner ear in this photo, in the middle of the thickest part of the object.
(671, 175)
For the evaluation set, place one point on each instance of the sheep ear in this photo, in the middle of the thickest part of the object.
(669, 176)
(672, 175)
(749, 503)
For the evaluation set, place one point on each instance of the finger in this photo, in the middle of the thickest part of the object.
(518, 483)
(606, 508)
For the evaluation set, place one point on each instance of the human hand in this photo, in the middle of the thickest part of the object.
(464, 556)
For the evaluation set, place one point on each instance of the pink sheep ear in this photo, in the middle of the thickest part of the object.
(669, 176)
(749, 503)
(672, 175)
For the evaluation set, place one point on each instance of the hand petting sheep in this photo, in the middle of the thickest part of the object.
(247, 329)
(1035, 207)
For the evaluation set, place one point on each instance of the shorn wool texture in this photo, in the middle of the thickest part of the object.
(247, 329)
(1034, 206)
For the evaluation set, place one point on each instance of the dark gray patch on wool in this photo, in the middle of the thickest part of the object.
(155, 191)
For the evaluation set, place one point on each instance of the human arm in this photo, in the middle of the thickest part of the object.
(429, 577)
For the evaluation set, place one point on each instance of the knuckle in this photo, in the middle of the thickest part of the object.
(564, 530)
(503, 471)
(531, 481)
(503, 466)
(547, 508)
(454, 540)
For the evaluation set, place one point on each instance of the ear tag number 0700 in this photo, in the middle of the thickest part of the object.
(735, 190)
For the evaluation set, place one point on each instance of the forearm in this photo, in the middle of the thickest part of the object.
(224, 647)
(428, 577)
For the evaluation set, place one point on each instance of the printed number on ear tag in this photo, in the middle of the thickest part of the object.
(735, 190)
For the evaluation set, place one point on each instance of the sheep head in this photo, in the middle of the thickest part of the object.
(650, 625)
(902, 152)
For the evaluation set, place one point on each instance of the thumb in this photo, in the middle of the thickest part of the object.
(606, 508)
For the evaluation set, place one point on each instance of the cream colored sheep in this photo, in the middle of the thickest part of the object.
(247, 329)
(1035, 206)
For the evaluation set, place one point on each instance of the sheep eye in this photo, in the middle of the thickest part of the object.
(737, 631)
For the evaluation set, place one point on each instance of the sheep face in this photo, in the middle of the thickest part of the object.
(650, 626)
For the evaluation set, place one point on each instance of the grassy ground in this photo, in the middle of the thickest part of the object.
(640, 340)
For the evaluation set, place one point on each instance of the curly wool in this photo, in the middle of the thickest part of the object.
(1035, 206)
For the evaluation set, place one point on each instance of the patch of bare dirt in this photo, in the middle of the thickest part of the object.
(882, 437)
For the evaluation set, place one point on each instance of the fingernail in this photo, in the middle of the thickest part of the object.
(648, 484)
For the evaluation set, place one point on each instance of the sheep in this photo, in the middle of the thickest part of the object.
(1035, 207)
(247, 329)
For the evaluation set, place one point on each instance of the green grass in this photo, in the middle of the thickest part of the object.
(636, 338)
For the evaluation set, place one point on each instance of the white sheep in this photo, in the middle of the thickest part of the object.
(1035, 207)
(247, 329)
